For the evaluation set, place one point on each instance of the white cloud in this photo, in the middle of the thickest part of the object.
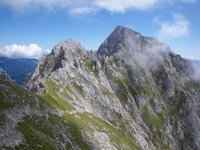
(179, 27)
(85, 6)
(22, 51)
(27, 5)
(110, 5)
(122, 5)
(81, 10)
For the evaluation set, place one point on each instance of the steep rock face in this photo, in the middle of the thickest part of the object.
(67, 51)
(29, 122)
(124, 40)
(133, 93)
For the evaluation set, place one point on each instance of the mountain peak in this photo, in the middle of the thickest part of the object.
(138, 90)
(122, 29)
(68, 45)
(123, 39)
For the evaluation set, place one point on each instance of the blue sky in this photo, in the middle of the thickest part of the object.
(30, 27)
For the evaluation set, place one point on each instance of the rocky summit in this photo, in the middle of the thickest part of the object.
(132, 93)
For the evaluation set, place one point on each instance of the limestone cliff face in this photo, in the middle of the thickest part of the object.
(133, 93)
(30, 122)
(135, 83)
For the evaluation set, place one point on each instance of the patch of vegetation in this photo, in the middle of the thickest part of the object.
(78, 88)
(75, 132)
(187, 86)
(32, 136)
(121, 92)
(156, 124)
(90, 123)
(53, 101)
(42, 133)
(71, 127)
(112, 60)
(122, 124)
(144, 86)
(106, 91)
(12, 95)
(135, 90)
(5, 105)
(3, 119)
(152, 119)
(91, 66)
(157, 139)
(25, 97)
(51, 84)
(2, 95)
(66, 94)
(144, 90)
(177, 109)
(175, 75)
(51, 98)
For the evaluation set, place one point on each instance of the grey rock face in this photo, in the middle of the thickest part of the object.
(134, 92)
(67, 51)
(4, 76)
(183, 66)
(24, 120)
(126, 40)
(147, 85)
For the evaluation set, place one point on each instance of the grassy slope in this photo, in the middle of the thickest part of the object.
(85, 121)
(46, 132)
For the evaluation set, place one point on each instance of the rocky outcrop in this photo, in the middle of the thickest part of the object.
(133, 93)
(27, 122)
(135, 83)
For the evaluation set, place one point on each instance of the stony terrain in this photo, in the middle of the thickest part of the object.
(133, 93)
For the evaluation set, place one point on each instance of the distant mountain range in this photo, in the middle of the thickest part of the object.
(18, 68)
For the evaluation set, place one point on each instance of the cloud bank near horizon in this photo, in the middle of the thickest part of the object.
(22, 51)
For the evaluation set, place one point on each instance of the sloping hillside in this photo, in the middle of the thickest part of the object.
(133, 93)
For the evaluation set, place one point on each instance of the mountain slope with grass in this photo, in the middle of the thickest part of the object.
(28, 122)
(133, 93)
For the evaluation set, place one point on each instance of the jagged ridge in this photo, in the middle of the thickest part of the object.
(136, 83)
(133, 93)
